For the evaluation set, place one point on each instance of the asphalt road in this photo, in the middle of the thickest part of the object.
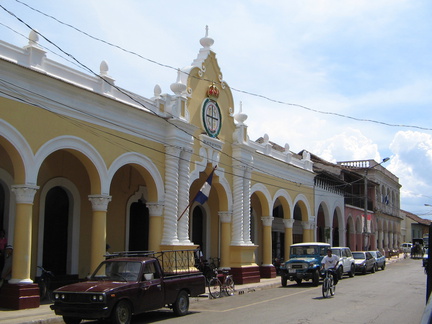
(395, 295)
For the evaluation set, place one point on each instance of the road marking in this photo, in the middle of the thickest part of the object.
(252, 304)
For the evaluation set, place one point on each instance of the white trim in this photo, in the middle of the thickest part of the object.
(61, 143)
(132, 158)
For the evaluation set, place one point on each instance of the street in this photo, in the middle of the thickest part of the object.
(395, 295)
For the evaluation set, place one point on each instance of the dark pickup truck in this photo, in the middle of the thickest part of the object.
(128, 283)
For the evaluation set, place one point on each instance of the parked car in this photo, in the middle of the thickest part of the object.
(346, 261)
(380, 260)
(406, 247)
(425, 258)
(304, 263)
(132, 284)
(364, 261)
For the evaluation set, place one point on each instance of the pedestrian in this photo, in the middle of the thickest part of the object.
(6, 273)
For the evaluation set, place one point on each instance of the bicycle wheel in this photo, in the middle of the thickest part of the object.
(325, 288)
(229, 286)
(214, 288)
(332, 287)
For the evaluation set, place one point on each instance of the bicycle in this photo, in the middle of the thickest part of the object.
(228, 286)
(216, 287)
(44, 283)
(328, 287)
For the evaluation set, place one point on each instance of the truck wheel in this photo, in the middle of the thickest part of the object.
(122, 313)
(71, 320)
(352, 271)
(284, 281)
(181, 305)
(315, 278)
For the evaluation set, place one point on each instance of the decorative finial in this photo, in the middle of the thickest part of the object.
(157, 91)
(103, 68)
(33, 37)
(178, 87)
(240, 117)
(206, 41)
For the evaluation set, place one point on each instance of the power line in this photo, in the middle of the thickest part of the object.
(88, 69)
(232, 88)
(82, 125)
(136, 101)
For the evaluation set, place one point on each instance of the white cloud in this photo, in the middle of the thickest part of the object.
(412, 163)
(349, 145)
(366, 59)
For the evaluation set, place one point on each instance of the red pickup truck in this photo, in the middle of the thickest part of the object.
(128, 283)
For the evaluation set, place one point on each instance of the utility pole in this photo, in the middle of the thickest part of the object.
(365, 229)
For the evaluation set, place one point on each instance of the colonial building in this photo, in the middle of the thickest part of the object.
(84, 163)
(373, 191)
(413, 226)
(331, 222)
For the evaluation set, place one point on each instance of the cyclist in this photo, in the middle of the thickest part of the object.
(330, 262)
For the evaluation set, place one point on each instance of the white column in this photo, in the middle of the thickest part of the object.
(386, 237)
(328, 230)
(380, 240)
(171, 195)
(237, 222)
(342, 236)
(246, 206)
(391, 247)
(183, 194)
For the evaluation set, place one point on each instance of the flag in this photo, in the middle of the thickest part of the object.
(204, 192)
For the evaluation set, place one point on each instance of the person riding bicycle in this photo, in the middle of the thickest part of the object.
(330, 262)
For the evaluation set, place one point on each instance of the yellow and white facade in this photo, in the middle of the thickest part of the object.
(84, 164)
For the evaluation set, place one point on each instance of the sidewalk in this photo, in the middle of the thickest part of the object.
(44, 315)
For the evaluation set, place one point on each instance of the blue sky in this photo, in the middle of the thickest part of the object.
(364, 59)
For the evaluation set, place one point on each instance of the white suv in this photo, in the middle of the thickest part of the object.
(406, 247)
(346, 261)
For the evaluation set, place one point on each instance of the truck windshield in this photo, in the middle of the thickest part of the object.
(307, 250)
(117, 271)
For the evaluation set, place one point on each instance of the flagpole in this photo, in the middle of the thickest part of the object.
(191, 202)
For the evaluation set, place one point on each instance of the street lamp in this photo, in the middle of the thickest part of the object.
(365, 227)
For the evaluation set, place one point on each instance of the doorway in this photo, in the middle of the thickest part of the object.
(55, 240)
(139, 226)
